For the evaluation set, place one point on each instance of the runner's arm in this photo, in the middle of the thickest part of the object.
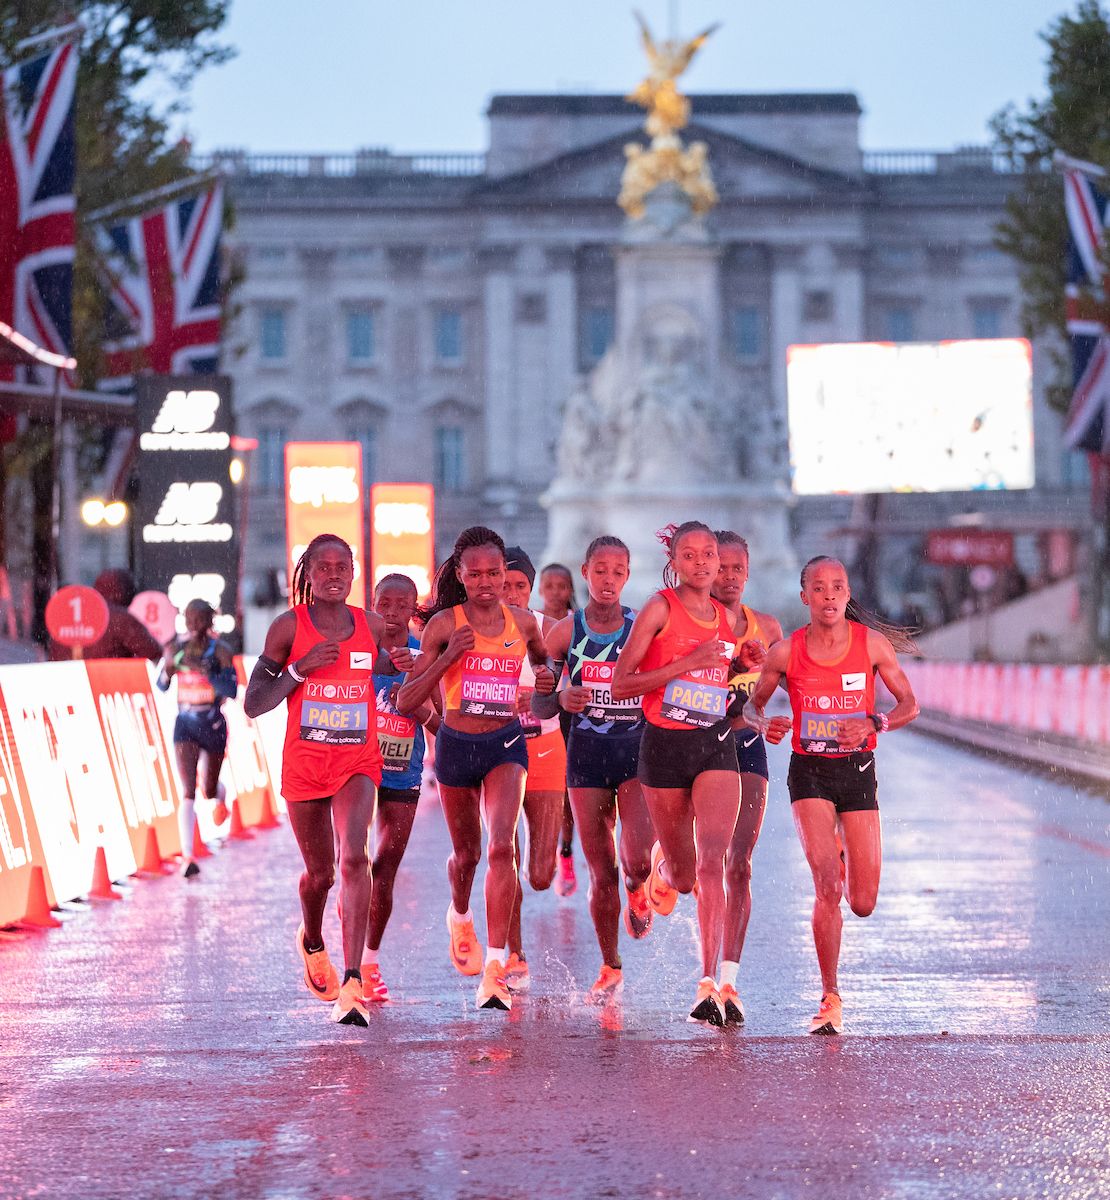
(546, 706)
(225, 679)
(774, 671)
(537, 649)
(629, 681)
(890, 671)
(440, 646)
(270, 683)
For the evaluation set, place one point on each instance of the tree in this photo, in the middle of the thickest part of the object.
(1074, 118)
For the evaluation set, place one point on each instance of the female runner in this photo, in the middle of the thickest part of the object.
(320, 658)
(829, 666)
(473, 645)
(557, 593)
(678, 657)
(602, 754)
(752, 754)
(401, 740)
(545, 786)
(206, 677)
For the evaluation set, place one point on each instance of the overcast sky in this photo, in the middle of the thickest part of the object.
(334, 75)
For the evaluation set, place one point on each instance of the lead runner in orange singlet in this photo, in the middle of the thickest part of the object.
(829, 667)
(320, 658)
(472, 648)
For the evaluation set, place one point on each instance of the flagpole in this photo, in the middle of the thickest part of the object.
(166, 192)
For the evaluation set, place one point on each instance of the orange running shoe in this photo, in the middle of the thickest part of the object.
(566, 881)
(493, 992)
(733, 1005)
(606, 986)
(374, 990)
(319, 975)
(830, 1016)
(708, 1006)
(348, 1008)
(220, 812)
(466, 954)
(661, 896)
(517, 976)
(638, 914)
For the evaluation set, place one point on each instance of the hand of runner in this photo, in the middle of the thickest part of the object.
(754, 719)
(853, 732)
(751, 655)
(323, 654)
(777, 729)
(704, 656)
(402, 658)
(545, 680)
(524, 700)
(574, 699)
(460, 642)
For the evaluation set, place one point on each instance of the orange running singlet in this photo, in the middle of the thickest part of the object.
(485, 681)
(697, 699)
(821, 693)
(331, 727)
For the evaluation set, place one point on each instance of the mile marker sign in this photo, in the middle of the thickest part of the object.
(77, 616)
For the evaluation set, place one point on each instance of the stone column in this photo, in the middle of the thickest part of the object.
(850, 293)
(786, 328)
(500, 487)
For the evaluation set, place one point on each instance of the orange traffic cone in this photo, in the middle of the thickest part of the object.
(101, 882)
(153, 862)
(269, 812)
(200, 846)
(239, 832)
(38, 903)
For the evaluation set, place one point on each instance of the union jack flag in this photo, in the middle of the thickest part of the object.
(1088, 317)
(37, 159)
(161, 275)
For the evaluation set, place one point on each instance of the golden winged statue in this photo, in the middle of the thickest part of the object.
(666, 160)
(668, 109)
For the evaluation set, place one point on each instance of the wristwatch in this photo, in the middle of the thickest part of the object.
(880, 720)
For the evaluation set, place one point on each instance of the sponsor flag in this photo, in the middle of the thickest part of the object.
(161, 276)
(37, 158)
(1086, 195)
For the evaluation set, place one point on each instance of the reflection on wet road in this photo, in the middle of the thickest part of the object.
(166, 1045)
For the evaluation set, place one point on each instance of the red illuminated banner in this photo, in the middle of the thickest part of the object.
(20, 849)
(970, 547)
(323, 489)
(402, 532)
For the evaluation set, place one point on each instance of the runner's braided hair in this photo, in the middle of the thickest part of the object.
(302, 589)
(605, 542)
(670, 536)
(900, 636)
(726, 537)
(447, 591)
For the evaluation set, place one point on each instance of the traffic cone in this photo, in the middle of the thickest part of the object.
(200, 846)
(38, 903)
(239, 832)
(153, 862)
(269, 811)
(102, 888)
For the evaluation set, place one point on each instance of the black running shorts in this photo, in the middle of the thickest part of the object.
(751, 751)
(601, 760)
(848, 780)
(674, 758)
(205, 727)
(399, 795)
(465, 759)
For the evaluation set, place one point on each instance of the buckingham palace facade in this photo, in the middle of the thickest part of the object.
(438, 308)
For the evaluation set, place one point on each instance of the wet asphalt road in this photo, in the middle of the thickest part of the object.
(166, 1046)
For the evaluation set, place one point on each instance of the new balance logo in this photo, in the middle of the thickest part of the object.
(189, 504)
(186, 412)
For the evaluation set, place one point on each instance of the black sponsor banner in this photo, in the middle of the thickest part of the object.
(185, 513)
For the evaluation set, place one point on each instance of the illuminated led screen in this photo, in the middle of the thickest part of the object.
(910, 417)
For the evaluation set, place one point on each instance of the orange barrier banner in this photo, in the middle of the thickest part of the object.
(20, 848)
(246, 763)
(323, 490)
(139, 750)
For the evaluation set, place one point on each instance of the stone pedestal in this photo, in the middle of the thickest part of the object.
(650, 435)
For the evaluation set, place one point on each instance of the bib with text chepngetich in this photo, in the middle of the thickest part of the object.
(598, 677)
(335, 714)
(396, 735)
(195, 689)
(489, 685)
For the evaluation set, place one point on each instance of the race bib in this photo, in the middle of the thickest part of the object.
(598, 677)
(335, 714)
(194, 688)
(529, 722)
(489, 685)
(817, 731)
(696, 702)
(396, 737)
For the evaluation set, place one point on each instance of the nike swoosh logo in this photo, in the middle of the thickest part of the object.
(511, 741)
(544, 753)
(721, 736)
(865, 766)
(751, 741)
(512, 643)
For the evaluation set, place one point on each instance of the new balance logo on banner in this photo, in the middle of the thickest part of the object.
(161, 274)
(37, 159)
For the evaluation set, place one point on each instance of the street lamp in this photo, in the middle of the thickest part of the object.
(96, 512)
